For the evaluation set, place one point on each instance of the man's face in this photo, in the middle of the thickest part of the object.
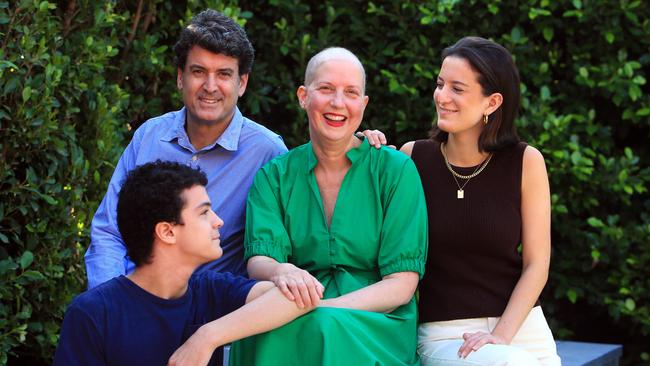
(211, 85)
(198, 235)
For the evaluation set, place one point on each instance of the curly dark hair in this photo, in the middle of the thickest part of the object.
(497, 73)
(216, 33)
(152, 193)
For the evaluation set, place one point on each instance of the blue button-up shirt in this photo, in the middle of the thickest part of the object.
(230, 164)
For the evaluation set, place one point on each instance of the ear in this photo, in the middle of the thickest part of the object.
(179, 79)
(302, 96)
(164, 231)
(243, 82)
(494, 102)
(365, 101)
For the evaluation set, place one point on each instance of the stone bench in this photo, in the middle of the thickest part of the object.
(571, 353)
(589, 354)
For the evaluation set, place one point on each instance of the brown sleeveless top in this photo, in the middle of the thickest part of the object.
(473, 263)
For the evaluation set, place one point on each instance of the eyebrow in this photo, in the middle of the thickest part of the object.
(203, 204)
(455, 82)
(197, 66)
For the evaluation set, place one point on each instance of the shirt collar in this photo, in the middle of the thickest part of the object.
(229, 139)
(353, 154)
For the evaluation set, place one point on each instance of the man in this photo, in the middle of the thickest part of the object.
(164, 215)
(214, 58)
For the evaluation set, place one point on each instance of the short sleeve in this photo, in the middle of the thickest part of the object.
(404, 239)
(265, 233)
(228, 292)
(80, 342)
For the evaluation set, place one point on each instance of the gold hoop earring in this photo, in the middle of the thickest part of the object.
(485, 119)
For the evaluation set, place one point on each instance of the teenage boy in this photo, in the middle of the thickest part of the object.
(165, 218)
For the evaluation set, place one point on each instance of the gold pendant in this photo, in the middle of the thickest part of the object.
(460, 194)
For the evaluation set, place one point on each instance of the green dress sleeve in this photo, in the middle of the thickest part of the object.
(265, 233)
(404, 238)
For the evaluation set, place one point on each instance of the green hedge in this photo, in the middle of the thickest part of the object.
(77, 76)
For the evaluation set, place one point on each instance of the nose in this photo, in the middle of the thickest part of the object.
(337, 99)
(440, 95)
(210, 84)
(218, 222)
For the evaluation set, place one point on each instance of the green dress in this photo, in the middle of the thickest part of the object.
(378, 227)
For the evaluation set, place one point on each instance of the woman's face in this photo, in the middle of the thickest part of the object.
(334, 101)
(460, 102)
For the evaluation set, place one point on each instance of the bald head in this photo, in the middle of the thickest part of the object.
(329, 54)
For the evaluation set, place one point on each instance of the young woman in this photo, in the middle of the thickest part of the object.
(488, 202)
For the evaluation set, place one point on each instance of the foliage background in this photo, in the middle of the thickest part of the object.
(77, 76)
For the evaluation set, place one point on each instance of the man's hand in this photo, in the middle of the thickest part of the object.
(375, 138)
(298, 285)
(197, 350)
(474, 341)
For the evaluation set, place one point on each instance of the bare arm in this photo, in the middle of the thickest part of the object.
(536, 253)
(266, 309)
(391, 292)
(296, 284)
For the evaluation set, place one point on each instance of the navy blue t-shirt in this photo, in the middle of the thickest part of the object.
(119, 323)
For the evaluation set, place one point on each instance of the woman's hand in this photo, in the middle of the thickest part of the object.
(474, 341)
(375, 138)
(298, 285)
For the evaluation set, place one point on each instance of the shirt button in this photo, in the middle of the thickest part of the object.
(195, 158)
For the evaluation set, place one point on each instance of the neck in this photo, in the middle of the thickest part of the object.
(462, 151)
(167, 281)
(204, 134)
(331, 154)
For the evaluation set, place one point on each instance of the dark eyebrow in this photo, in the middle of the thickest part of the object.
(455, 82)
(203, 204)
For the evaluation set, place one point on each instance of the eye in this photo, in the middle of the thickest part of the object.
(225, 74)
(197, 72)
(205, 212)
(439, 84)
(325, 88)
(353, 92)
(458, 90)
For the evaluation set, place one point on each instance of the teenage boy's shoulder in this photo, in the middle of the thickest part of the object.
(83, 330)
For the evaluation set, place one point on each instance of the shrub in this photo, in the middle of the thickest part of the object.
(77, 76)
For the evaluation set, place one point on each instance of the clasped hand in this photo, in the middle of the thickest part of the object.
(298, 285)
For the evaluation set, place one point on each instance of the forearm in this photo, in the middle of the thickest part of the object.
(262, 268)
(268, 311)
(384, 296)
(522, 300)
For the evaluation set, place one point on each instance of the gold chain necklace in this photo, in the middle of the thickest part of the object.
(460, 193)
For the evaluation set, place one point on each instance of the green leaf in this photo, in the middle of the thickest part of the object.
(595, 222)
(583, 72)
(33, 275)
(609, 37)
(515, 34)
(27, 93)
(643, 112)
(548, 34)
(630, 304)
(572, 295)
(7, 265)
(26, 259)
(545, 93)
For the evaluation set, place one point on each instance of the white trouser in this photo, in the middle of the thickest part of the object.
(438, 343)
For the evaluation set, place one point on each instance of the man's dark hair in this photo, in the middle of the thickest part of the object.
(497, 73)
(216, 33)
(152, 193)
